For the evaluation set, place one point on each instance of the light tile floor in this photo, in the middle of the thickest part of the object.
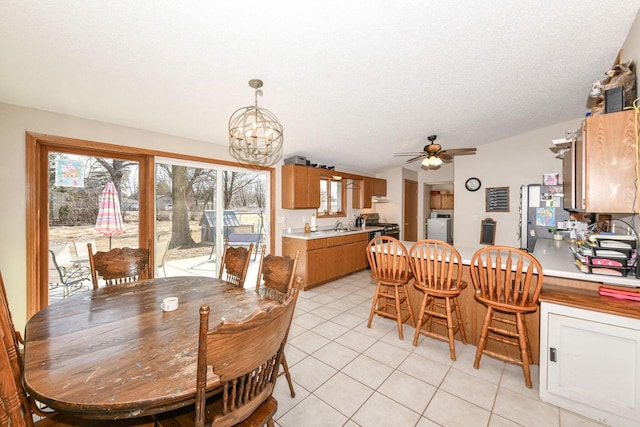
(346, 374)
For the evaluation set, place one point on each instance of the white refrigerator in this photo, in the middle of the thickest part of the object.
(439, 229)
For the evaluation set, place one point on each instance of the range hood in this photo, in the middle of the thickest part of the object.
(379, 199)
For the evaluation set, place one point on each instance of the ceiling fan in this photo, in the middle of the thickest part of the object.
(433, 155)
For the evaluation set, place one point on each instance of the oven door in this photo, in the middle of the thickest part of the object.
(393, 233)
(374, 234)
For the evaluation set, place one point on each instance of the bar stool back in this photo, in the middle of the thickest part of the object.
(508, 281)
(437, 268)
(389, 261)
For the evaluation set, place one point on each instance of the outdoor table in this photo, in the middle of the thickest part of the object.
(114, 353)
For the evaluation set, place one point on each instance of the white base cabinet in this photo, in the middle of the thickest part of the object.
(590, 363)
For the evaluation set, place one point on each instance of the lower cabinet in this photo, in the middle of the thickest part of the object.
(325, 259)
(590, 363)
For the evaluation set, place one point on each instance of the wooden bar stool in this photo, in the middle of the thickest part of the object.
(437, 269)
(389, 261)
(508, 281)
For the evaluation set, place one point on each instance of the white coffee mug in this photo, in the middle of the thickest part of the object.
(169, 304)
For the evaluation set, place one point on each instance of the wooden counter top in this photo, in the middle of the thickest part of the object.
(589, 299)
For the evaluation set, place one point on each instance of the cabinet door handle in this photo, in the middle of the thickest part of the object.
(552, 354)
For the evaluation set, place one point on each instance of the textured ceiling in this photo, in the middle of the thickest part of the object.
(351, 81)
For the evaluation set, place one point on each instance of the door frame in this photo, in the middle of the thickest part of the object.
(410, 208)
(38, 147)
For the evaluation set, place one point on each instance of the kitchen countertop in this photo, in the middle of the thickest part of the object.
(555, 256)
(557, 261)
(323, 234)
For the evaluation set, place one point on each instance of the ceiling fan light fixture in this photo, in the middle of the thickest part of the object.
(255, 134)
(431, 162)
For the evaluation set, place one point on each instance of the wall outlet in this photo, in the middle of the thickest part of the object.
(532, 232)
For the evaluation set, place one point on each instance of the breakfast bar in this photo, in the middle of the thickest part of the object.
(563, 283)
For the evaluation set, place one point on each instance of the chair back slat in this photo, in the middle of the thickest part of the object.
(436, 265)
(235, 263)
(507, 276)
(119, 265)
(388, 259)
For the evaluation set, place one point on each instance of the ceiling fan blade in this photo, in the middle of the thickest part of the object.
(416, 158)
(445, 157)
(409, 153)
(459, 151)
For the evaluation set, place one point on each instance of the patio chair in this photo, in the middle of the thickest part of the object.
(81, 249)
(71, 276)
(160, 251)
(246, 239)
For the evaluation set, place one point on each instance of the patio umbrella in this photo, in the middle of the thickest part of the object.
(109, 221)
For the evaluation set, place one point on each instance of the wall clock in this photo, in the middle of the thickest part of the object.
(473, 184)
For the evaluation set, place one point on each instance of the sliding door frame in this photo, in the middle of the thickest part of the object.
(38, 147)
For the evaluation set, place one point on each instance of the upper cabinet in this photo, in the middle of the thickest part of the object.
(379, 187)
(600, 170)
(442, 201)
(365, 189)
(300, 187)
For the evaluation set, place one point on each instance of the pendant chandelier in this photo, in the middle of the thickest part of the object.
(255, 134)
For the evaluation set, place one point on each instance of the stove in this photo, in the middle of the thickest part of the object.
(390, 228)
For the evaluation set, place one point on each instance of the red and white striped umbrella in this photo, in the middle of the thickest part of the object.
(109, 221)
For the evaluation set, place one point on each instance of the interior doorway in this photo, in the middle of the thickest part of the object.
(438, 204)
(410, 210)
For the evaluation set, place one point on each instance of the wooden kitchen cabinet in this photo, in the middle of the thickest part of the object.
(325, 259)
(589, 358)
(365, 189)
(602, 165)
(300, 187)
(442, 201)
(379, 187)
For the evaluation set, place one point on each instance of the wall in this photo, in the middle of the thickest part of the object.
(631, 46)
(510, 162)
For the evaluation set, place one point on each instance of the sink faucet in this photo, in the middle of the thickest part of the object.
(338, 226)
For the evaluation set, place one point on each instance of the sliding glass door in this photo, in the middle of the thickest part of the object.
(198, 206)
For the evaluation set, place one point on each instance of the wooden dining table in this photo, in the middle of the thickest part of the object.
(114, 353)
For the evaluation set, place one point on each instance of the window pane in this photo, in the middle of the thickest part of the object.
(324, 194)
(82, 211)
(336, 196)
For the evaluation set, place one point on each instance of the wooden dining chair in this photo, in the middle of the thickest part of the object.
(507, 281)
(247, 382)
(389, 262)
(437, 269)
(235, 263)
(277, 275)
(17, 408)
(119, 265)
